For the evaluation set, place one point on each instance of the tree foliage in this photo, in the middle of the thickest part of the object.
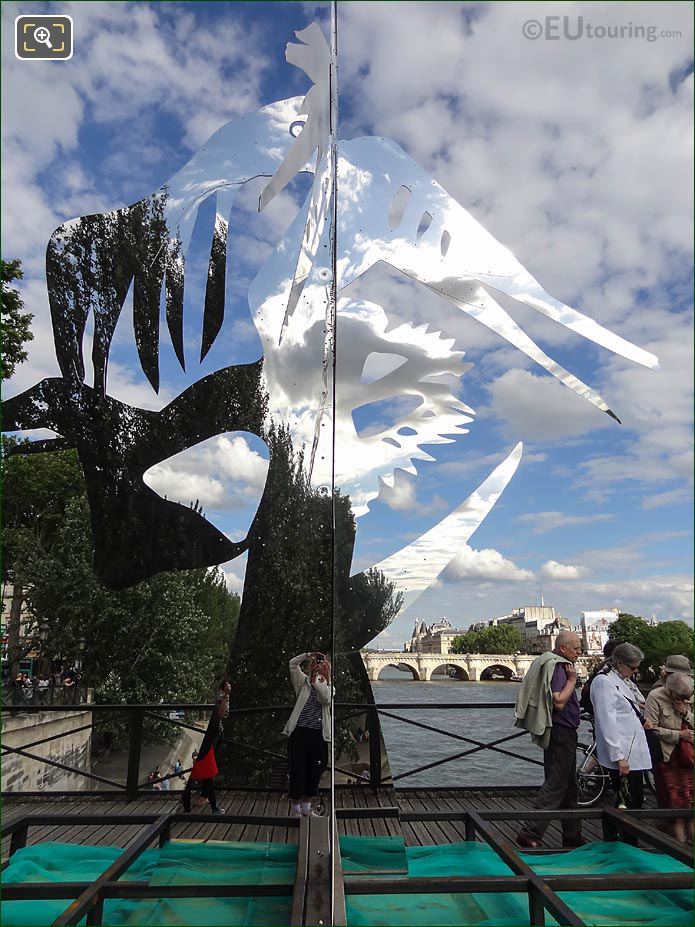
(166, 639)
(500, 638)
(15, 322)
(298, 597)
(656, 641)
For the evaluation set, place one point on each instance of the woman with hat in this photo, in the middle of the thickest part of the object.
(676, 663)
(669, 710)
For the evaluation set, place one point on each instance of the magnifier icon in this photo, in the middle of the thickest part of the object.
(42, 35)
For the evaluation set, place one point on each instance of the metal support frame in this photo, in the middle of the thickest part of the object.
(309, 894)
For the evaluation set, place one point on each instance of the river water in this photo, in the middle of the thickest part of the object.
(410, 747)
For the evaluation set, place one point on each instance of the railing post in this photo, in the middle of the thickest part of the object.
(19, 838)
(536, 908)
(95, 916)
(610, 831)
(165, 834)
(374, 747)
(469, 828)
(137, 718)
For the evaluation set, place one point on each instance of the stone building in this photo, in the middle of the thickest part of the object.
(437, 638)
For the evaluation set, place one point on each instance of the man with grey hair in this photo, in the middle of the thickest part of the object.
(548, 707)
(621, 743)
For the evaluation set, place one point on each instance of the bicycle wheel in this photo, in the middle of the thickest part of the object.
(591, 779)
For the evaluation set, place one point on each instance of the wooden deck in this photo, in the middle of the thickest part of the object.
(415, 833)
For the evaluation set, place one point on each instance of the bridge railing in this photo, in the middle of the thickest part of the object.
(184, 715)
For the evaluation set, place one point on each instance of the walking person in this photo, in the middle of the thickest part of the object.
(205, 767)
(621, 742)
(548, 707)
(669, 710)
(308, 729)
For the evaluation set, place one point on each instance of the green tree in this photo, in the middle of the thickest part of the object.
(656, 641)
(298, 597)
(629, 629)
(466, 643)
(15, 322)
(500, 638)
(36, 490)
(165, 639)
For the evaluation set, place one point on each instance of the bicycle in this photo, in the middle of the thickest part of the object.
(592, 777)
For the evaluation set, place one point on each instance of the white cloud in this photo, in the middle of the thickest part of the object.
(561, 571)
(234, 579)
(223, 473)
(542, 522)
(487, 565)
(539, 408)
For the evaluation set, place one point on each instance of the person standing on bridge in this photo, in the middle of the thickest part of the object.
(308, 729)
(205, 767)
(548, 707)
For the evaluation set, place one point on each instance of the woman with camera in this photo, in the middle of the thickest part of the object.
(308, 728)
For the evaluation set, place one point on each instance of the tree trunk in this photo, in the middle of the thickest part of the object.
(14, 650)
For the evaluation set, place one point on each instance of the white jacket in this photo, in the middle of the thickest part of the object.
(619, 732)
(302, 688)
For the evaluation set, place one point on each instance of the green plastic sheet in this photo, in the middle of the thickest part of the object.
(672, 908)
(179, 862)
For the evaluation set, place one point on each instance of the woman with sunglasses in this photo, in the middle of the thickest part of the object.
(621, 743)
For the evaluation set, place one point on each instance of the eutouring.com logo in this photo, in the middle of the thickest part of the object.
(575, 28)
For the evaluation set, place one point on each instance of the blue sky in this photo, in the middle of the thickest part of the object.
(577, 155)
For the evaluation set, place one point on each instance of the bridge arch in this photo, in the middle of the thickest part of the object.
(399, 666)
(497, 669)
(461, 671)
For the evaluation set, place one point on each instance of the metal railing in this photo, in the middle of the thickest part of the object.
(35, 695)
(136, 715)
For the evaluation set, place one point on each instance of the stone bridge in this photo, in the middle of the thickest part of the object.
(469, 667)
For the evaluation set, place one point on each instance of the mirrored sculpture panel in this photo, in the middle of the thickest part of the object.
(346, 398)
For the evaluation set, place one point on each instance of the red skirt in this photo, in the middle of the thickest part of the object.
(674, 784)
(205, 768)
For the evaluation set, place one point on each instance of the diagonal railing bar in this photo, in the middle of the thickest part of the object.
(541, 896)
(64, 766)
(225, 740)
(45, 740)
(93, 896)
(449, 759)
(480, 745)
(623, 820)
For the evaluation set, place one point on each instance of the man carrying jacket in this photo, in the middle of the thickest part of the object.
(548, 707)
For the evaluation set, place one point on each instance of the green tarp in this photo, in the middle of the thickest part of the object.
(181, 862)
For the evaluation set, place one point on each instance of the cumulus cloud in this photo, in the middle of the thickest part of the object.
(561, 571)
(488, 565)
(234, 579)
(223, 473)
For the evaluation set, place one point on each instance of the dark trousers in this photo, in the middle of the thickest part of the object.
(559, 789)
(308, 757)
(207, 790)
(635, 787)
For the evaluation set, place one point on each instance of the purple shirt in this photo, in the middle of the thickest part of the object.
(569, 715)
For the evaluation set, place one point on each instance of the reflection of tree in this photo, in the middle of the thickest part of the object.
(90, 265)
(136, 532)
(287, 606)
